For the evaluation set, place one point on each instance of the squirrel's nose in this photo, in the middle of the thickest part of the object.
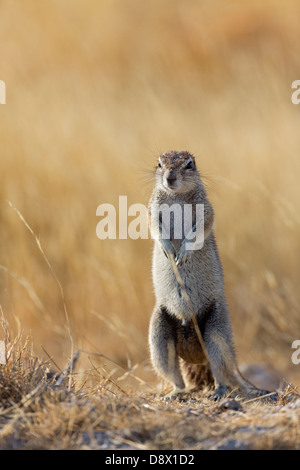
(171, 177)
(171, 181)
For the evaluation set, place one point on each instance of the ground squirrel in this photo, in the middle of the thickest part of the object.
(175, 349)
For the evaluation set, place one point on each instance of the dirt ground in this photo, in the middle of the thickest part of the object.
(42, 410)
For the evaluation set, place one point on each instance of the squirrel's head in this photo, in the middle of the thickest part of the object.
(177, 172)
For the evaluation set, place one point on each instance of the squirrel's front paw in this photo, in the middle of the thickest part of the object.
(183, 256)
(168, 249)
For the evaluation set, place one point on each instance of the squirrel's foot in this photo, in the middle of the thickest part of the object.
(175, 394)
(220, 392)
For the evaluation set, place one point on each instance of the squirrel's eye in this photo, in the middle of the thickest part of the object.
(159, 165)
(189, 166)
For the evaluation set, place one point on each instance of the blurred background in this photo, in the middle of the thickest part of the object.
(95, 91)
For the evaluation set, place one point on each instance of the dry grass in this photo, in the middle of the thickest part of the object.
(39, 411)
(94, 94)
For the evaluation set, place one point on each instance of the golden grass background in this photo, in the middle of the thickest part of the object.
(96, 90)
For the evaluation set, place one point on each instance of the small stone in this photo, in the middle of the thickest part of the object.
(228, 404)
